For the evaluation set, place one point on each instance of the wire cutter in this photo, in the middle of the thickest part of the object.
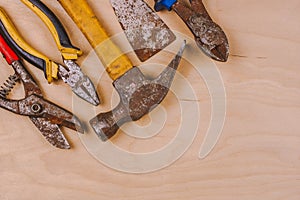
(209, 36)
(45, 115)
(70, 72)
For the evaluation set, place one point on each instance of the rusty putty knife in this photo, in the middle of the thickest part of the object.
(144, 29)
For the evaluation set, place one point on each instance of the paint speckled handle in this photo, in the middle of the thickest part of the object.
(110, 55)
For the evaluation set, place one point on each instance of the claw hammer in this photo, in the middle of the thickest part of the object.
(138, 94)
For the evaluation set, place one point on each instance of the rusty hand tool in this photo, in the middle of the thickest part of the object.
(209, 36)
(70, 73)
(45, 115)
(144, 29)
(139, 95)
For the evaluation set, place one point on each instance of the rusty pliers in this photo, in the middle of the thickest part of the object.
(45, 115)
(70, 72)
(209, 36)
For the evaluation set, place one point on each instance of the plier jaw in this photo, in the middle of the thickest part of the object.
(209, 36)
(45, 115)
(81, 85)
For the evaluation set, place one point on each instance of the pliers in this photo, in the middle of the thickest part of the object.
(45, 115)
(209, 36)
(70, 72)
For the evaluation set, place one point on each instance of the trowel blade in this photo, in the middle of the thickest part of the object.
(144, 29)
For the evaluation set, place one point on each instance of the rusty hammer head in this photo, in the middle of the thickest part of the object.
(138, 96)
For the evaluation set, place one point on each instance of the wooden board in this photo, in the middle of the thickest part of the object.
(257, 156)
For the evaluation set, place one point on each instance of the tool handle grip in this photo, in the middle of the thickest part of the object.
(68, 51)
(110, 55)
(164, 4)
(11, 35)
(9, 55)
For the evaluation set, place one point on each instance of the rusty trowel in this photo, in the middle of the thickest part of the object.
(144, 29)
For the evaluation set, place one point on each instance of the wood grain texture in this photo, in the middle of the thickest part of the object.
(257, 156)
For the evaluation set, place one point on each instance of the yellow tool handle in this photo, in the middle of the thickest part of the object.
(30, 54)
(110, 55)
(68, 51)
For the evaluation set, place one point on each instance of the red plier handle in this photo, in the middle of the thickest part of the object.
(9, 55)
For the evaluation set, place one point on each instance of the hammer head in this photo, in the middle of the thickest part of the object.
(138, 96)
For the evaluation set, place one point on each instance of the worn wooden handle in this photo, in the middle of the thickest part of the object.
(110, 55)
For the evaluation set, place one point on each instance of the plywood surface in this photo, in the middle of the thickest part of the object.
(257, 156)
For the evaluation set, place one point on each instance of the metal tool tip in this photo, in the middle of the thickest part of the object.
(78, 126)
(219, 52)
(81, 85)
(87, 91)
(95, 100)
(180, 52)
(92, 99)
(66, 146)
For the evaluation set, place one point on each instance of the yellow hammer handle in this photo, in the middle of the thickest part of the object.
(110, 55)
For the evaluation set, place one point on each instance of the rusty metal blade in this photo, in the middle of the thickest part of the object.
(144, 29)
(51, 132)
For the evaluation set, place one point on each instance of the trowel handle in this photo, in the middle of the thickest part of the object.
(110, 55)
